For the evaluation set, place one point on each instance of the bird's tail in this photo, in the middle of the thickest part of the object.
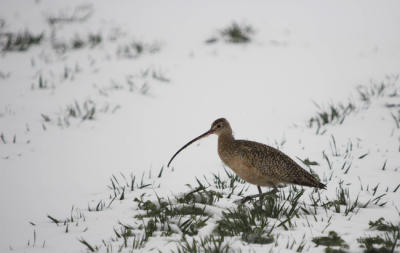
(315, 184)
(321, 186)
(309, 180)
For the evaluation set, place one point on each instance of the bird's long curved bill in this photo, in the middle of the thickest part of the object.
(190, 142)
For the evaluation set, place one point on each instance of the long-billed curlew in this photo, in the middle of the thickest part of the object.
(254, 162)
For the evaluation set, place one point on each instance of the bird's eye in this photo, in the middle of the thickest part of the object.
(218, 126)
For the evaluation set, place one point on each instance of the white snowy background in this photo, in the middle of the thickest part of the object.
(301, 53)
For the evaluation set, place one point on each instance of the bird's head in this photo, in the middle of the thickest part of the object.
(218, 127)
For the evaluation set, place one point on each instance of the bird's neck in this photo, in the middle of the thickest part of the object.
(225, 145)
(225, 139)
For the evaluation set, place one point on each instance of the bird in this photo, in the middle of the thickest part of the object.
(256, 163)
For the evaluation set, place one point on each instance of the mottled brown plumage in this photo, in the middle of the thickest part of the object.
(254, 162)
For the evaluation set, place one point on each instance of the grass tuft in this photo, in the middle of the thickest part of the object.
(380, 244)
(234, 33)
(256, 222)
(80, 14)
(333, 239)
(135, 49)
(381, 225)
(330, 115)
(208, 244)
(21, 41)
(164, 215)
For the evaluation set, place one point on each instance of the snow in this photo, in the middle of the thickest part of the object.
(302, 52)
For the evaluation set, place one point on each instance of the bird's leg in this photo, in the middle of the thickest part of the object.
(261, 193)
(273, 191)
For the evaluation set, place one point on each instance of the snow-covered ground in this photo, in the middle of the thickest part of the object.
(148, 104)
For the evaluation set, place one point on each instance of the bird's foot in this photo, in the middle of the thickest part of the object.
(244, 199)
(250, 197)
(247, 198)
(272, 192)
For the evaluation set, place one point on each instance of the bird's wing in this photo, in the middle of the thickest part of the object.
(275, 164)
(260, 156)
